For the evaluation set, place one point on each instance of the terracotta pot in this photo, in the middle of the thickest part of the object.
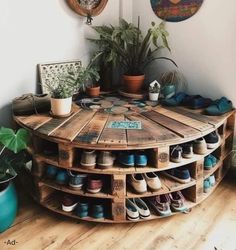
(61, 107)
(93, 91)
(133, 84)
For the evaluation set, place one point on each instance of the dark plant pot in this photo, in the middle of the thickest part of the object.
(93, 91)
(133, 84)
(168, 91)
(8, 205)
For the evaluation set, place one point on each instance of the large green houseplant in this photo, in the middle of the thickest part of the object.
(11, 157)
(127, 47)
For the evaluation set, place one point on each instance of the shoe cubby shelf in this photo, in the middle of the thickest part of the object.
(61, 141)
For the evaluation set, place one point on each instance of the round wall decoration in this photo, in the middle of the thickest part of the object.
(88, 8)
(175, 10)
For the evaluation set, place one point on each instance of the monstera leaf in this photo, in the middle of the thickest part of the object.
(14, 141)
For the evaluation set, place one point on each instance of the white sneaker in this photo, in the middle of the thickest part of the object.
(142, 208)
(138, 183)
(153, 181)
(131, 210)
(105, 159)
(88, 159)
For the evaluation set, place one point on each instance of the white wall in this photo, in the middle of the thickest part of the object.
(33, 32)
(203, 46)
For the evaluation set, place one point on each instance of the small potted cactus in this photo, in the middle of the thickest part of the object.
(154, 91)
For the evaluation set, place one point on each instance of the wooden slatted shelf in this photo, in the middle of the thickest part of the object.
(168, 185)
(162, 127)
(67, 189)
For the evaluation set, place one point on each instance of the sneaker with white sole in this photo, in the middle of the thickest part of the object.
(176, 154)
(105, 159)
(69, 203)
(142, 208)
(200, 146)
(131, 210)
(88, 159)
(212, 140)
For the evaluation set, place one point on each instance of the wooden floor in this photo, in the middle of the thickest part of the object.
(211, 225)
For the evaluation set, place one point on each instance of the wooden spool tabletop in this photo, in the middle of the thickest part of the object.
(90, 128)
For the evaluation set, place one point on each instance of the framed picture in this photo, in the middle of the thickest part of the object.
(51, 71)
(175, 10)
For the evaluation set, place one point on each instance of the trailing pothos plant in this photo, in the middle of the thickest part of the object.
(125, 45)
(12, 155)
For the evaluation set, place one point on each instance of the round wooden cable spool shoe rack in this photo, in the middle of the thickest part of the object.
(161, 128)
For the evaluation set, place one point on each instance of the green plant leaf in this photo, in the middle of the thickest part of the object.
(14, 141)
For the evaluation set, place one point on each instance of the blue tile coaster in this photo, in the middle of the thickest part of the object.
(125, 124)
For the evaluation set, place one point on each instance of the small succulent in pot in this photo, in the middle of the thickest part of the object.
(154, 90)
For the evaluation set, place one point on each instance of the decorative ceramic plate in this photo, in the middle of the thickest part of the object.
(175, 10)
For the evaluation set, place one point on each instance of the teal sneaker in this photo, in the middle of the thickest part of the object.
(212, 180)
(214, 160)
(206, 185)
(208, 162)
(219, 107)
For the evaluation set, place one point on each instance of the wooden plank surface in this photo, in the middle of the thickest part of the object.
(71, 128)
(194, 123)
(92, 131)
(113, 136)
(157, 131)
(53, 124)
(173, 125)
(34, 121)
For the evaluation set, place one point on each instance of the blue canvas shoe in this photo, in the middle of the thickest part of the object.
(219, 107)
(199, 102)
(175, 100)
(141, 159)
(208, 163)
(62, 177)
(97, 211)
(206, 185)
(82, 209)
(213, 159)
(126, 158)
(51, 172)
(77, 180)
(181, 175)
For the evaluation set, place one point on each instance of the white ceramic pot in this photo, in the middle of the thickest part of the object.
(61, 107)
(153, 96)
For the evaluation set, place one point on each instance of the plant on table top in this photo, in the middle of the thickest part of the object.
(126, 45)
(12, 152)
(155, 88)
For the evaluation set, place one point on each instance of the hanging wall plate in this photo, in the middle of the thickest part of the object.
(83, 7)
(175, 10)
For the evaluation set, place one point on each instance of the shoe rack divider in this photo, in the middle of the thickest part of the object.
(46, 192)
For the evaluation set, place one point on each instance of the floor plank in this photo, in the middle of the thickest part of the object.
(211, 225)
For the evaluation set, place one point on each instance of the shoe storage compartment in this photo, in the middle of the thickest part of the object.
(162, 128)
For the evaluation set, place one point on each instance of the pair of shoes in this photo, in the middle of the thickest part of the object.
(210, 161)
(61, 176)
(212, 140)
(163, 204)
(219, 107)
(136, 208)
(208, 183)
(177, 152)
(140, 182)
(180, 174)
(89, 159)
(130, 159)
(71, 203)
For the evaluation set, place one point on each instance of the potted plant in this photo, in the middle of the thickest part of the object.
(88, 78)
(154, 90)
(11, 157)
(61, 91)
(172, 81)
(133, 51)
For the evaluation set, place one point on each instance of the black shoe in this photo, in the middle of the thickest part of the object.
(176, 154)
(187, 150)
(212, 140)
